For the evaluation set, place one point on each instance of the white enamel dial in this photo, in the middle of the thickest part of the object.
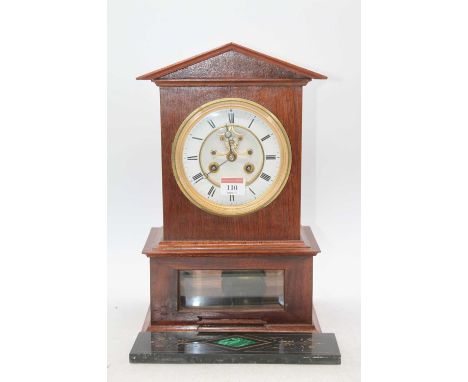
(231, 157)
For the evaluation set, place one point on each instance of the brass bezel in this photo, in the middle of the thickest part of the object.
(183, 181)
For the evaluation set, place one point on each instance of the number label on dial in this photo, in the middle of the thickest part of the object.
(232, 186)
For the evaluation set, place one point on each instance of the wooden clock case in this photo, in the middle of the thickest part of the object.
(271, 238)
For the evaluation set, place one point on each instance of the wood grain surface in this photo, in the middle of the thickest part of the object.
(185, 221)
(155, 246)
(206, 67)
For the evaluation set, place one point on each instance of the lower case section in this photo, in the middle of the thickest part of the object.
(192, 347)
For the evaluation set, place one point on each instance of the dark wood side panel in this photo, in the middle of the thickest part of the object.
(278, 221)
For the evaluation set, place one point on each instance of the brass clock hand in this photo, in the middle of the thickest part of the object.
(245, 153)
(242, 154)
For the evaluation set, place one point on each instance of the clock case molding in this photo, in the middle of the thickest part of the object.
(271, 238)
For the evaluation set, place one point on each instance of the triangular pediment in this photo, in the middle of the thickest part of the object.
(232, 61)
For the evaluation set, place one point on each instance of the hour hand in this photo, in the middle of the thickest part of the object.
(240, 153)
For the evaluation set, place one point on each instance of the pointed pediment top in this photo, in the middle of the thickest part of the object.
(231, 61)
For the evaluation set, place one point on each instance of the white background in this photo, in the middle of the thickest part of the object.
(53, 195)
(323, 36)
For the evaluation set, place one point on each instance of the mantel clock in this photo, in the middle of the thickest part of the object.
(231, 268)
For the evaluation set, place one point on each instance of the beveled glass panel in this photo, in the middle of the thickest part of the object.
(241, 288)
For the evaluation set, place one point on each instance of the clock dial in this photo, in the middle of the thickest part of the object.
(231, 157)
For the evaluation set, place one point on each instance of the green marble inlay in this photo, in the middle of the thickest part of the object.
(236, 342)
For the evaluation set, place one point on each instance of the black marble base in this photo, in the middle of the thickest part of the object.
(189, 347)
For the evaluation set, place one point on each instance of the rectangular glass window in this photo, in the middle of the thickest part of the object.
(231, 289)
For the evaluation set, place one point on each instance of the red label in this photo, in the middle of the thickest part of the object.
(232, 180)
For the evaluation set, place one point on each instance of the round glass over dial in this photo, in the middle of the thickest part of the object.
(231, 157)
